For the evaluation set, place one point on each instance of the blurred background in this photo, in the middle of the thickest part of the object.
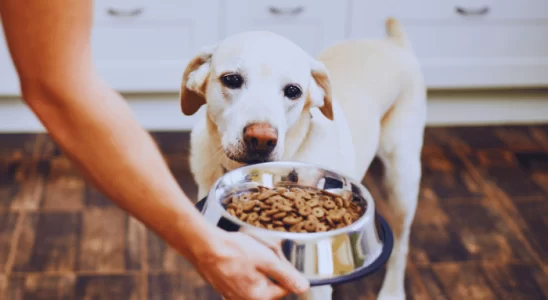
(480, 231)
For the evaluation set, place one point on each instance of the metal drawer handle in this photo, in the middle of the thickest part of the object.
(472, 12)
(286, 11)
(125, 13)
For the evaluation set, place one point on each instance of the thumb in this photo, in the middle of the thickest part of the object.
(284, 274)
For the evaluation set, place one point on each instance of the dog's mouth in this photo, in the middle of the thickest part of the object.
(249, 158)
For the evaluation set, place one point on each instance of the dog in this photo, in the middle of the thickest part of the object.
(262, 98)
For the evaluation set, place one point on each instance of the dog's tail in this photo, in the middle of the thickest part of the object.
(394, 30)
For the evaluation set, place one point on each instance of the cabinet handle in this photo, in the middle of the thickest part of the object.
(125, 13)
(472, 12)
(286, 11)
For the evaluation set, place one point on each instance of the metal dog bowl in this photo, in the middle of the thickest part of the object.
(329, 257)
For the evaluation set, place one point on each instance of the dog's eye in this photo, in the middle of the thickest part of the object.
(292, 92)
(233, 81)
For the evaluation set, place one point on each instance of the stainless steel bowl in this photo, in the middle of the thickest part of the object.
(329, 257)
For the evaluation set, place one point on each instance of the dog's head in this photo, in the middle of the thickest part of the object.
(256, 86)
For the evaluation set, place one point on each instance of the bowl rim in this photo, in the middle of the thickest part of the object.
(367, 218)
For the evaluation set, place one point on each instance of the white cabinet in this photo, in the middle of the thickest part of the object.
(465, 43)
(311, 24)
(143, 45)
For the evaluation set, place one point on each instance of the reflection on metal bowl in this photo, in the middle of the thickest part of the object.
(330, 257)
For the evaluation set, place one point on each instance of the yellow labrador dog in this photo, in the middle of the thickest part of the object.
(265, 99)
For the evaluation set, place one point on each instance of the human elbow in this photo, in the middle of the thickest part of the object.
(39, 93)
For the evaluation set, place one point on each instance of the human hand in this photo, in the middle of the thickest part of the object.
(239, 267)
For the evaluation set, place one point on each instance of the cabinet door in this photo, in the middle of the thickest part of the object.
(311, 24)
(144, 46)
(466, 43)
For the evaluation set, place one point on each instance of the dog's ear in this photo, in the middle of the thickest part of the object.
(194, 82)
(320, 89)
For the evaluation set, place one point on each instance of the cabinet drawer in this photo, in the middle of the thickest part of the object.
(454, 10)
(145, 45)
(124, 11)
(504, 46)
(311, 24)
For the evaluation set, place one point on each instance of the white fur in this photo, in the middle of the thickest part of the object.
(379, 108)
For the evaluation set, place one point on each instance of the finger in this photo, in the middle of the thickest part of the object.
(274, 292)
(285, 274)
(273, 244)
(269, 290)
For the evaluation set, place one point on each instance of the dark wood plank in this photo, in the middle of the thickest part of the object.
(434, 243)
(541, 277)
(17, 146)
(48, 242)
(540, 136)
(8, 223)
(478, 137)
(446, 138)
(541, 179)
(457, 184)
(485, 232)
(478, 232)
(464, 281)
(94, 198)
(532, 161)
(136, 244)
(514, 281)
(494, 158)
(177, 286)
(367, 288)
(31, 186)
(179, 166)
(64, 187)
(433, 237)
(163, 258)
(517, 138)
(433, 285)
(41, 287)
(46, 148)
(513, 181)
(535, 215)
(108, 287)
(9, 185)
(446, 174)
(110, 242)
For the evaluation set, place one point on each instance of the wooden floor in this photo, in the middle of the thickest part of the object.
(481, 229)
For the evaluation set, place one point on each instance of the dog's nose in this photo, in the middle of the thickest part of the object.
(260, 137)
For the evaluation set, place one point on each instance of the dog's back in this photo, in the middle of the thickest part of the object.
(371, 73)
(369, 77)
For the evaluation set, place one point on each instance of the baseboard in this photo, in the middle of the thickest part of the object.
(445, 108)
(487, 107)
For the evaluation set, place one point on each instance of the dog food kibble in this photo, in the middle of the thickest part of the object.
(293, 209)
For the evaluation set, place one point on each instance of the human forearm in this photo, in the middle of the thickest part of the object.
(96, 128)
(50, 45)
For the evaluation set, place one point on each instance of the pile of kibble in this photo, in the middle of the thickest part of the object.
(293, 209)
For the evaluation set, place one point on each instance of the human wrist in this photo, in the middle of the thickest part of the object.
(196, 238)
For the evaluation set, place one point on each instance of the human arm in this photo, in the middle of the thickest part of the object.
(49, 42)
